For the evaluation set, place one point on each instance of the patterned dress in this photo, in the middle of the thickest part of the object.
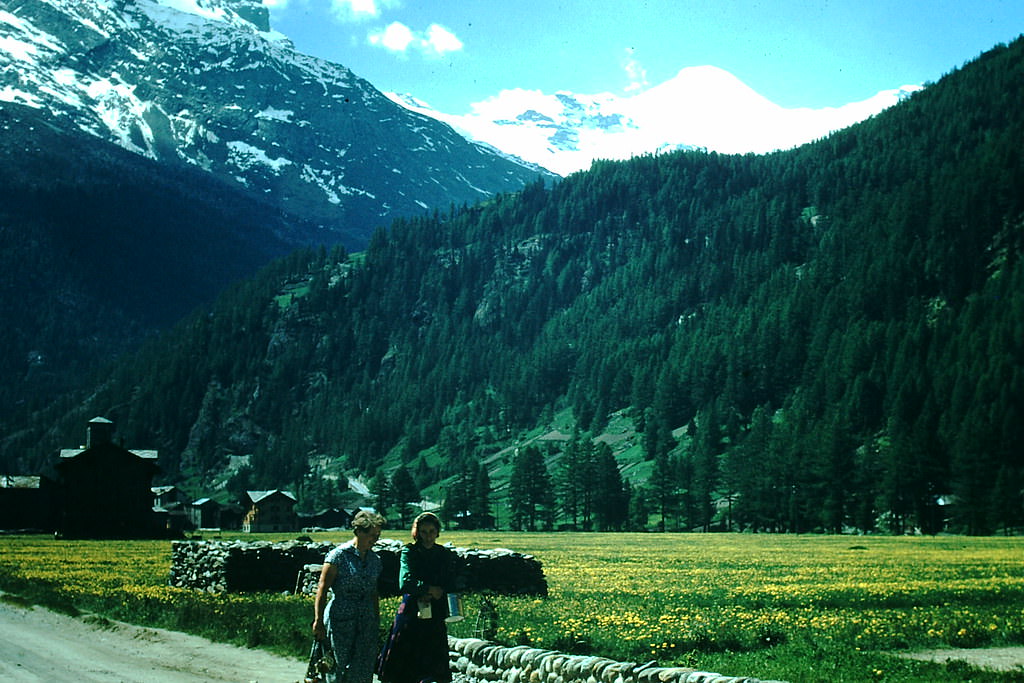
(351, 617)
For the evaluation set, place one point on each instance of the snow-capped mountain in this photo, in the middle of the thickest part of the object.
(701, 107)
(209, 83)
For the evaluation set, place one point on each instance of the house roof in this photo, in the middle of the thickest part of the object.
(16, 481)
(66, 453)
(161, 490)
(257, 496)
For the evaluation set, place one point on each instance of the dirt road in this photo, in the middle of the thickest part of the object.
(40, 645)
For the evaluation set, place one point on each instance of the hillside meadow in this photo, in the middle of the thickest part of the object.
(797, 608)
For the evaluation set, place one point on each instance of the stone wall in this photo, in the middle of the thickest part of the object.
(240, 566)
(294, 566)
(480, 661)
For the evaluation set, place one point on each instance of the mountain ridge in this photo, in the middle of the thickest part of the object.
(156, 151)
(209, 83)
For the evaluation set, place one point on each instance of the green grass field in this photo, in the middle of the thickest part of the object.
(797, 608)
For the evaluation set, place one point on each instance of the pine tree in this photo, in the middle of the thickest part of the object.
(611, 495)
(480, 502)
(404, 493)
(531, 500)
(383, 492)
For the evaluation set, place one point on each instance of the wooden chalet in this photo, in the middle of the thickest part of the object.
(206, 513)
(329, 518)
(270, 511)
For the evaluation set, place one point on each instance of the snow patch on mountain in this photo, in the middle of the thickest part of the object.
(701, 107)
(209, 83)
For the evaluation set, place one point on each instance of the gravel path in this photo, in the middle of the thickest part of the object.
(992, 658)
(40, 645)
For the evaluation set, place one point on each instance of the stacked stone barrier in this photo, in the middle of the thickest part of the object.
(480, 661)
(294, 566)
(242, 566)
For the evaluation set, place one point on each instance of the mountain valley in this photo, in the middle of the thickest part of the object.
(822, 339)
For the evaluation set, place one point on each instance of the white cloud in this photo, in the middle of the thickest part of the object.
(441, 40)
(275, 4)
(356, 10)
(635, 71)
(397, 37)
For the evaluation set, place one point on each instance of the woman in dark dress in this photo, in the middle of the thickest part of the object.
(417, 648)
(351, 618)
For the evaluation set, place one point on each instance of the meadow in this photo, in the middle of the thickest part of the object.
(796, 608)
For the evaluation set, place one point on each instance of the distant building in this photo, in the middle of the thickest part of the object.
(170, 509)
(206, 513)
(270, 511)
(27, 503)
(331, 518)
(106, 489)
(167, 496)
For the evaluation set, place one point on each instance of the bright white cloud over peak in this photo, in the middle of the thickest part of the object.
(701, 107)
(397, 37)
(441, 40)
(349, 10)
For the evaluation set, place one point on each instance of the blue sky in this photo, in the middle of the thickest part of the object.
(452, 53)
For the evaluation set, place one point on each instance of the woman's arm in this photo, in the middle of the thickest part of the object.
(409, 579)
(327, 576)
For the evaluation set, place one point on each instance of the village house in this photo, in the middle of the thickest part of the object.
(168, 496)
(106, 489)
(170, 508)
(330, 518)
(270, 511)
(27, 503)
(206, 513)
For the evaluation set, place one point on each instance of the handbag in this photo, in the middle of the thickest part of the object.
(321, 661)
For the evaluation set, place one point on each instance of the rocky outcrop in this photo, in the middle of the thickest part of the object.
(241, 566)
(479, 661)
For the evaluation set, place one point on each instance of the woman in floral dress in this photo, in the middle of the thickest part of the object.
(350, 619)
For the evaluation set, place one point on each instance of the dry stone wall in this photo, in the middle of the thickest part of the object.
(480, 661)
(242, 566)
(294, 566)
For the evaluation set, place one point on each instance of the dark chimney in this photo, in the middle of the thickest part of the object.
(101, 430)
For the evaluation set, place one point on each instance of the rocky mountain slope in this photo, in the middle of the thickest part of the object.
(210, 84)
(100, 247)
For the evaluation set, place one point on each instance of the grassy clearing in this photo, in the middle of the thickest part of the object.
(798, 608)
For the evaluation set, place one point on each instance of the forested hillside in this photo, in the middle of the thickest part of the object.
(100, 247)
(820, 339)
